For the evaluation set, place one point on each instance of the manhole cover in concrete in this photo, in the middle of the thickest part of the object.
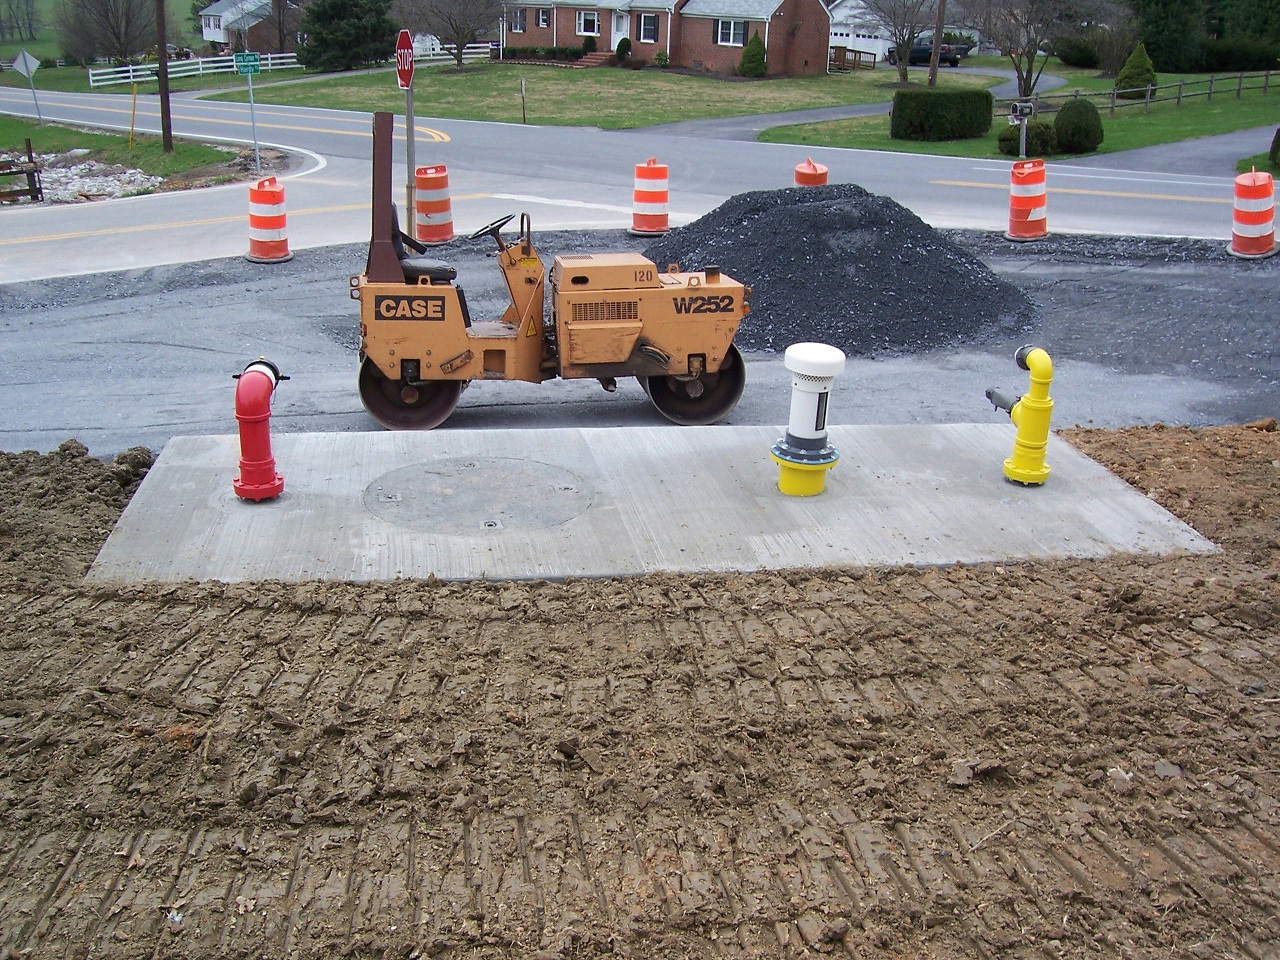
(465, 497)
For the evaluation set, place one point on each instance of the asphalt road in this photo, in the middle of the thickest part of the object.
(567, 179)
(137, 312)
(1140, 332)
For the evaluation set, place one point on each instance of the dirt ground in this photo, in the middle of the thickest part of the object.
(1064, 759)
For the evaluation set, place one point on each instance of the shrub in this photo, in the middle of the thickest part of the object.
(1040, 139)
(1136, 75)
(1077, 52)
(1238, 55)
(588, 44)
(661, 59)
(940, 114)
(623, 50)
(1274, 153)
(752, 63)
(1077, 128)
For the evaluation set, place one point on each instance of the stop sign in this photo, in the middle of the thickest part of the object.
(404, 60)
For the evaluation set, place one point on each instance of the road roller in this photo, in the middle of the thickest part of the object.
(602, 316)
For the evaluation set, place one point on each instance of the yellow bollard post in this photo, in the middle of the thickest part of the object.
(1031, 416)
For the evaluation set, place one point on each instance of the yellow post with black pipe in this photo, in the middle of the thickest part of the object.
(1030, 413)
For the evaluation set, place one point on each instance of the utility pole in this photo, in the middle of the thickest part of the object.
(936, 54)
(162, 74)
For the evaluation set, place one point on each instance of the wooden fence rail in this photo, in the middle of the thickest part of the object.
(1144, 97)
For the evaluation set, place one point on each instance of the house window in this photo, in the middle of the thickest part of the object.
(519, 20)
(544, 17)
(588, 23)
(648, 32)
(731, 33)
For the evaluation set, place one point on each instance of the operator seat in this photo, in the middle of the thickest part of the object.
(418, 267)
(414, 265)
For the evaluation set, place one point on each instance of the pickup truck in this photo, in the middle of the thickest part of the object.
(923, 52)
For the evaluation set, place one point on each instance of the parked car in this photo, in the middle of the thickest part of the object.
(923, 53)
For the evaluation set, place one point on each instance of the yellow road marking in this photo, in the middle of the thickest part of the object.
(145, 227)
(1086, 193)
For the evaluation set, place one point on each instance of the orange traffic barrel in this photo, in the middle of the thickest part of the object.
(810, 174)
(433, 212)
(649, 199)
(268, 238)
(1253, 234)
(1027, 213)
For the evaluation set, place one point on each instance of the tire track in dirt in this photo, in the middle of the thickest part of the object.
(1032, 760)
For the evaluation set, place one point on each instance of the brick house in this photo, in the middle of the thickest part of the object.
(698, 34)
(268, 26)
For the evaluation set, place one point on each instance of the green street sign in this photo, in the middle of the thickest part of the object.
(247, 63)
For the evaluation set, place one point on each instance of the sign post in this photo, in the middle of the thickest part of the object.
(1020, 111)
(404, 76)
(27, 65)
(247, 64)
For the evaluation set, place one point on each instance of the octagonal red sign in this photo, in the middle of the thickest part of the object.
(404, 60)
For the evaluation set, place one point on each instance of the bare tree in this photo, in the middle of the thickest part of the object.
(283, 22)
(117, 28)
(19, 20)
(1115, 35)
(904, 21)
(455, 22)
(1025, 29)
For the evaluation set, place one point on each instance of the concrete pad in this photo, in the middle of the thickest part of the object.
(549, 504)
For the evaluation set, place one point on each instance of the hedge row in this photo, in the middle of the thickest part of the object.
(940, 114)
(1213, 56)
(542, 53)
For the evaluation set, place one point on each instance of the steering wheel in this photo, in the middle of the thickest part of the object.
(492, 227)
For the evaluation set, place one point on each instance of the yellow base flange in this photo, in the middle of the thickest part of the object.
(802, 479)
(1031, 476)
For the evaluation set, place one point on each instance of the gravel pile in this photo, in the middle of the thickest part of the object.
(839, 265)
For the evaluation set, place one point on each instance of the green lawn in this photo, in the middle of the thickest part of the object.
(609, 98)
(1128, 129)
(147, 153)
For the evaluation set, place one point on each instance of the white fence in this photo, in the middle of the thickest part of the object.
(470, 53)
(143, 72)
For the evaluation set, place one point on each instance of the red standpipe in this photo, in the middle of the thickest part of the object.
(258, 479)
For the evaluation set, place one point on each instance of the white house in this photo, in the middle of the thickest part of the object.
(853, 28)
(223, 19)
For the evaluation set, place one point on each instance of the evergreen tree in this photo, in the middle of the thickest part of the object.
(346, 34)
(752, 63)
(1136, 75)
(1173, 32)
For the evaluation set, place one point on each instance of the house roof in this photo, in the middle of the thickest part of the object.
(731, 9)
(249, 14)
(621, 6)
(219, 7)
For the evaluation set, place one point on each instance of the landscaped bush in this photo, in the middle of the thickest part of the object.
(1077, 128)
(1136, 75)
(623, 50)
(542, 53)
(752, 63)
(660, 59)
(588, 45)
(1077, 52)
(1238, 55)
(940, 114)
(1040, 139)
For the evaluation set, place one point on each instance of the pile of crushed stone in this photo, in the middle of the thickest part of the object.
(839, 265)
